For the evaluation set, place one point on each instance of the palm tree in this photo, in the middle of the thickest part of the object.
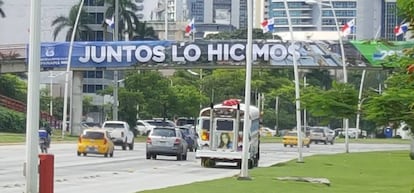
(63, 22)
(143, 32)
(1, 10)
(127, 10)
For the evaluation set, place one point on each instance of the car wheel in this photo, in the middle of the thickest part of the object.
(291, 145)
(332, 142)
(285, 145)
(154, 156)
(308, 145)
(131, 145)
(79, 153)
(148, 156)
(325, 142)
(111, 154)
(84, 154)
(106, 155)
(185, 156)
(179, 157)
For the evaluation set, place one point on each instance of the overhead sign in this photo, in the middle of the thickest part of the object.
(200, 53)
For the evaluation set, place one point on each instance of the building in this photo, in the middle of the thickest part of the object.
(219, 12)
(373, 18)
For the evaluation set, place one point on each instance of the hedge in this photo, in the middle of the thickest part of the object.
(12, 121)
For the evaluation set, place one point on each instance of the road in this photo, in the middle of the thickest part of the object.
(129, 171)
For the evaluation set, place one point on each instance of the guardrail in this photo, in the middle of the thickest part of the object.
(20, 106)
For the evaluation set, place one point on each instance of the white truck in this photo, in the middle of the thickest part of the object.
(121, 134)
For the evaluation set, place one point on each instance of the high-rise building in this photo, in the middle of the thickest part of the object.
(221, 12)
(373, 18)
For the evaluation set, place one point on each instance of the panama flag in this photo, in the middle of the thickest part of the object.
(348, 28)
(110, 22)
(268, 25)
(190, 28)
(400, 29)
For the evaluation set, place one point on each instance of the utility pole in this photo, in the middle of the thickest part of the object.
(115, 35)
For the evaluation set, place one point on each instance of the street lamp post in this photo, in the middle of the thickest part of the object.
(361, 86)
(72, 39)
(297, 92)
(115, 38)
(346, 120)
(246, 126)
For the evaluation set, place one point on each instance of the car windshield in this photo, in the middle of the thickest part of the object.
(163, 132)
(114, 125)
(291, 134)
(93, 135)
(317, 130)
(161, 123)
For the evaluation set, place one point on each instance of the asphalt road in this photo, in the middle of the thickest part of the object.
(129, 171)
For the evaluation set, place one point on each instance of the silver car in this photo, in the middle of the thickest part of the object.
(167, 141)
(322, 134)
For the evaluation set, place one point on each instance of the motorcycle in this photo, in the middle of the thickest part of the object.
(43, 141)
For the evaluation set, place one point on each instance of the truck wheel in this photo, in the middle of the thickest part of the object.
(131, 145)
(124, 145)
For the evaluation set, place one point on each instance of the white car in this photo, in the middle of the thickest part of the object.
(143, 127)
(266, 131)
(121, 134)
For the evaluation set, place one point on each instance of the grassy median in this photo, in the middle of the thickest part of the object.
(373, 172)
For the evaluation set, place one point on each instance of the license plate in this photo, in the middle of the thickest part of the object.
(91, 149)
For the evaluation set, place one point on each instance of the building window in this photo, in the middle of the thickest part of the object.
(96, 18)
(94, 3)
(92, 88)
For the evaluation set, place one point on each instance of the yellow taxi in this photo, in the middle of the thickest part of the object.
(291, 139)
(95, 141)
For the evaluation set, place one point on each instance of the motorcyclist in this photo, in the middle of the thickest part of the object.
(46, 127)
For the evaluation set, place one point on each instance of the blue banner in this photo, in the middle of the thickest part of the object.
(102, 54)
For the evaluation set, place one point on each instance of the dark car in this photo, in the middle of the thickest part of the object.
(190, 136)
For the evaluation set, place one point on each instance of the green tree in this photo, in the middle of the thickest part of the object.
(127, 12)
(142, 31)
(2, 14)
(336, 103)
(63, 22)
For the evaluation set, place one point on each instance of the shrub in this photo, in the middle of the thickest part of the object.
(11, 121)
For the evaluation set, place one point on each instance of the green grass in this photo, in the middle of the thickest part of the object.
(7, 138)
(373, 172)
(342, 140)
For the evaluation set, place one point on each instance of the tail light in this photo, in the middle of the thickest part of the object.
(205, 136)
(149, 140)
(177, 141)
(105, 141)
(122, 134)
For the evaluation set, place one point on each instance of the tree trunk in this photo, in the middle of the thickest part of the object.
(412, 148)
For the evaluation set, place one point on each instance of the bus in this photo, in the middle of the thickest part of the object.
(220, 131)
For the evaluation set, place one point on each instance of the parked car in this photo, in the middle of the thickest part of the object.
(181, 121)
(120, 133)
(291, 139)
(161, 122)
(143, 127)
(190, 136)
(167, 141)
(322, 134)
(266, 131)
(95, 141)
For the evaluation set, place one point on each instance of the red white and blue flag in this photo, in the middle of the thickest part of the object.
(348, 28)
(401, 29)
(110, 22)
(268, 25)
(190, 28)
